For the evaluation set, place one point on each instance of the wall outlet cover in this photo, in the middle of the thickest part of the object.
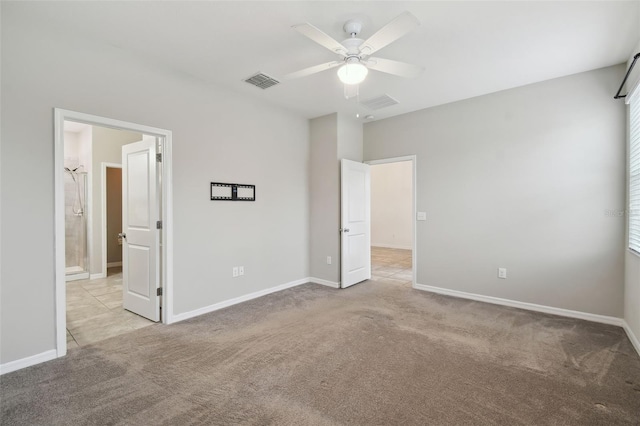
(235, 271)
(502, 273)
(241, 270)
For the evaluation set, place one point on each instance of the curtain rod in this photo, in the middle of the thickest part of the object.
(618, 95)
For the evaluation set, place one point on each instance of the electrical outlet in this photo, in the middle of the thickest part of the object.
(502, 273)
(240, 270)
(235, 271)
(328, 260)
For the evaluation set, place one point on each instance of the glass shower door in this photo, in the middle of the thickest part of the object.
(75, 221)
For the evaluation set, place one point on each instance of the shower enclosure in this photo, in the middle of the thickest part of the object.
(75, 222)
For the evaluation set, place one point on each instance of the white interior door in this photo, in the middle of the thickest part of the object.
(356, 222)
(140, 277)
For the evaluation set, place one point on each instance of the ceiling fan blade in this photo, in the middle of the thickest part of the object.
(321, 38)
(395, 29)
(389, 66)
(312, 70)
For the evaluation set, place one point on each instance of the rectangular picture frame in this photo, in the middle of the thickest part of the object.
(232, 192)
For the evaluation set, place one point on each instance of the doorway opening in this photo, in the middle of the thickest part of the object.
(104, 287)
(393, 212)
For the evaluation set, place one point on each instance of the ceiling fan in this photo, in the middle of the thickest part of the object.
(355, 53)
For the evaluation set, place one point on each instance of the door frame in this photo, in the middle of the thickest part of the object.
(165, 137)
(414, 161)
(103, 207)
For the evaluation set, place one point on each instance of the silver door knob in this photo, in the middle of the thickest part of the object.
(345, 230)
(122, 235)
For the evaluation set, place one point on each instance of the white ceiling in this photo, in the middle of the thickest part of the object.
(467, 48)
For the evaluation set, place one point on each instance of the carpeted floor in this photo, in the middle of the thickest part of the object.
(378, 353)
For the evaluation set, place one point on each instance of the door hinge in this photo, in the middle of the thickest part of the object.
(159, 157)
(159, 224)
(159, 291)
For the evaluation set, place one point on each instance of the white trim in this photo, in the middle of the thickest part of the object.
(324, 282)
(103, 211)
(28, 361)
(414, 227)
(76, 277)
(60, 308)
(523, 305)
(631, 335)
(391, 246)
(391, 160)
(60, 115)
(98, 276)
(113, 264)
(216, 306)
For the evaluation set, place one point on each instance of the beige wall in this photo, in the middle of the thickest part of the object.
(114, 214)
(520, 179)
(106, 148)
(392, 205)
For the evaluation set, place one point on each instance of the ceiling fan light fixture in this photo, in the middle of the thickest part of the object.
(352, 73)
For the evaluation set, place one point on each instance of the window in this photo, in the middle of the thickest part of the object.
(634, 173)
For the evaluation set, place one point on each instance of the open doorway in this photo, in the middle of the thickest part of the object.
(94, 307)
(392, 220)
(122, 286)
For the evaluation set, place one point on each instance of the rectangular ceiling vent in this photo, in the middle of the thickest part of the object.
(380, 102)
(262, 81)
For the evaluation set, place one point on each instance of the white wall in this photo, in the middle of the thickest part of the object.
(520, 179)
(391, 205)
(106, 148)
(71, 146)
(217, 136)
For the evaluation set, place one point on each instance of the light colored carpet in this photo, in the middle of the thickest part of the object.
(374, 354)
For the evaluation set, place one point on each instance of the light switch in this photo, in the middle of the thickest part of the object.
(422, 215)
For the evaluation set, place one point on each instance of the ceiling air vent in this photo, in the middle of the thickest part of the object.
(379, 102)
(262, 81)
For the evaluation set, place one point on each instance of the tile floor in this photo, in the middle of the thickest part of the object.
(391, 265)
(95, 312)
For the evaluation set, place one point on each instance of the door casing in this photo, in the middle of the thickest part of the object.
(165, 136)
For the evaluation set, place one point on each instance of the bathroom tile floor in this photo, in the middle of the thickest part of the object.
(95, 312)
(391, 265)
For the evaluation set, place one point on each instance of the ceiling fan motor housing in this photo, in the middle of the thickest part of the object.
(353, 46)
(352, 27)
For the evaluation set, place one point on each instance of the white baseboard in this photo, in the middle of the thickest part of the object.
(392, 246)
(76, 277)
(113, 264)
(97, 276)
(205, 310)
(324, 282)
(28, 361)
(634, 339)
(524, 305)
